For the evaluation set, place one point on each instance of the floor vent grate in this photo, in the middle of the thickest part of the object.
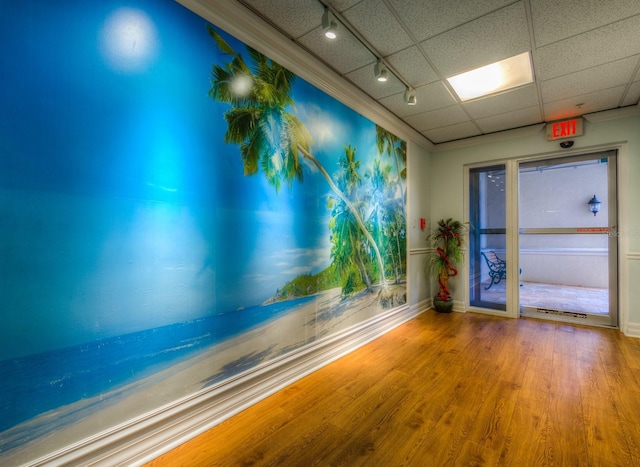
(571, 314)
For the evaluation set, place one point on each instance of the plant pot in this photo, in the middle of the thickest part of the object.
(442, 306)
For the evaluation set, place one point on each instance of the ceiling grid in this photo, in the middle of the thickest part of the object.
(585, 55)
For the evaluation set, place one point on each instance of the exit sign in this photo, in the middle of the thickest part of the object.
(564, 129)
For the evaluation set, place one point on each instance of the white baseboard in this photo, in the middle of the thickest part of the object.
(458, 305)
(425, 304)
(144, 438)
(632, 330)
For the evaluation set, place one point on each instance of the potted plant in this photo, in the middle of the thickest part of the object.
(447, 242)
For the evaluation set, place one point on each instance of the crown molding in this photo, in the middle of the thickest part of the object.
(243, 24)
(613, 114)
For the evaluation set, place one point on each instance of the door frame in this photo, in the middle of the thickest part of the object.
(512, 225)
(573, 316)
(511, 213)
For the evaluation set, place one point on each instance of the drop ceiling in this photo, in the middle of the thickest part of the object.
(585, 55)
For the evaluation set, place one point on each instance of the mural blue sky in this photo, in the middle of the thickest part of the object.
(114, 177)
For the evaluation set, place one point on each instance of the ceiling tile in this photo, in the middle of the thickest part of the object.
(493, 37)
(344, 53)
(342, 5)
(365, 79)
(509, 120)
(555, 20)
(592, 79)
(452, 132)
(412, 66)
(434, 96)
(590, 49)
(526, 96)
(396, 104)
(428, 18)
(437, 118)
(593, 102)
(430, 97)
(295, 17)
(373, 20)
(633, 95)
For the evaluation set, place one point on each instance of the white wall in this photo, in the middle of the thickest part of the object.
(447, 187)
(419, 206)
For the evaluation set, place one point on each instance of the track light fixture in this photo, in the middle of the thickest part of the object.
(329, 25)
(330, 20)
(381, 71)
(410, 96)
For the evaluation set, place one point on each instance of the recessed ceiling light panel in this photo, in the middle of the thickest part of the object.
(499, 76)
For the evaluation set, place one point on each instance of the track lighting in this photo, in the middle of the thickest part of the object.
(381, 71)
(410, 96)
(330, 20)
(329, 25)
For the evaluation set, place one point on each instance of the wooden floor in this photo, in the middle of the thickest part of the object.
(448, 389)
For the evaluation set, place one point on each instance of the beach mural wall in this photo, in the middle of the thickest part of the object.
(176, 209)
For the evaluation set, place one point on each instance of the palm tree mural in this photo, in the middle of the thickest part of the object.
(349, 255)
(392, 146)
(394, 209)
(387, 213)
(271, 138)
(380, 186)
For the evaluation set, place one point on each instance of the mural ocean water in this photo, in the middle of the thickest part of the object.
(61, 377)
(176, 209)
(66, 375)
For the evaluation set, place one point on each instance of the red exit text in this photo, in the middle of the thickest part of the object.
(564, 129)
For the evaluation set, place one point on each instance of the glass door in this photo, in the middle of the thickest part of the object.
(487, 238)
(567, 242)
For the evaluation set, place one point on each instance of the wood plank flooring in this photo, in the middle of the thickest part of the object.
(448, 389)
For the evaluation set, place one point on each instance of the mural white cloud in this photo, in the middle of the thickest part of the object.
(323, 126)
(129, 41)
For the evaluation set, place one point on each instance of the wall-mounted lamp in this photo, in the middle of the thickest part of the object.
(380, 71)
(329, 25)
(594, 205)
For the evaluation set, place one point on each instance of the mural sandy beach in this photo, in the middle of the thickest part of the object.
(326, 315)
